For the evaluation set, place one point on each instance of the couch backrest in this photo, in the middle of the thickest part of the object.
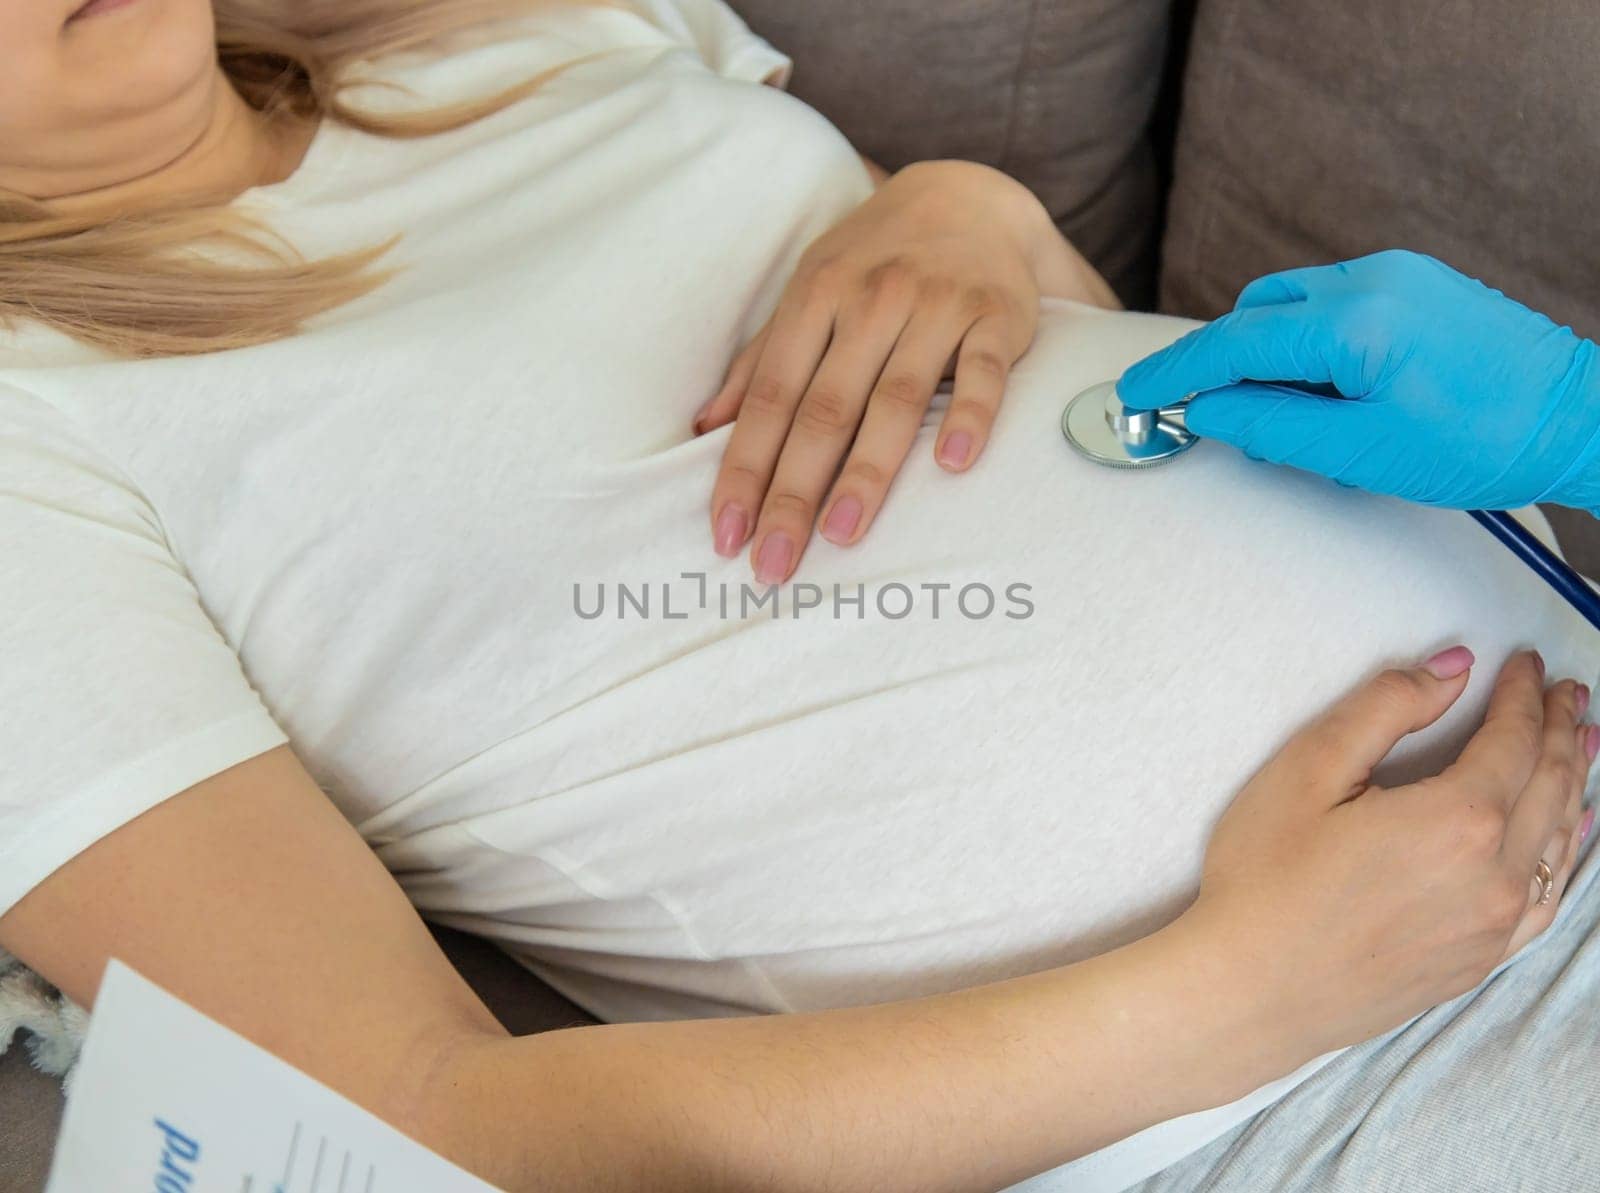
(1056, 92)
(1314, 131)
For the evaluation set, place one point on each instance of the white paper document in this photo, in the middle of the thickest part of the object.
(166, 1100)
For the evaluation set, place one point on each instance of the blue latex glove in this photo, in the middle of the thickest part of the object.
(1452, 394)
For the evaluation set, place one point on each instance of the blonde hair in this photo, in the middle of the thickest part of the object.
(127, 284)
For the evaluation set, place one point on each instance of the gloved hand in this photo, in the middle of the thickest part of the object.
(1433, 387)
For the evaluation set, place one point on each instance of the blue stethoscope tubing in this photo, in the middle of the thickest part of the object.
(1546, 564)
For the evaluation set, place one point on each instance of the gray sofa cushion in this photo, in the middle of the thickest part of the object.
(1313, 132)
(1057, 93)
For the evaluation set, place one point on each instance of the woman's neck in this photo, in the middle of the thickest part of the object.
(237, 149)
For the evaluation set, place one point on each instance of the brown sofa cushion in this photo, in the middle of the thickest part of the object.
(1057, 93)
(30, 1115)
(1313, 132)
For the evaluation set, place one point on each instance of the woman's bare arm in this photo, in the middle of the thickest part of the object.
(250, 897)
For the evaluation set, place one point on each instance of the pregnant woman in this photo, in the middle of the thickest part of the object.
(354, 511)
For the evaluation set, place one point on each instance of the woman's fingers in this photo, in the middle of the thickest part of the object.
(788, 361)
(982, 369)
(1585, 741)
(894, 415)
(1562, 854)
(721, 408)
(1499, 760)
(876, 369)
(1548, 823)
(1543, 806)
(983, 343)
(829, 398)
(825, 423)
(1345, 743)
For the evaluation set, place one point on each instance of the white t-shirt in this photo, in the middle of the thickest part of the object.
(992, 738)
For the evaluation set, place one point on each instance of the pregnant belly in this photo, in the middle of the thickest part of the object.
(842, 804)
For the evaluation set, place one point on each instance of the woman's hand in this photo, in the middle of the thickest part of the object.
(943, 267)
(1363, 906)
(1395, 374)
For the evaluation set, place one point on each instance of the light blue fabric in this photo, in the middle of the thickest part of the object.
(1498, 1091)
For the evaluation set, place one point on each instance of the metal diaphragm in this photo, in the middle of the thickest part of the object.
(1099, 429)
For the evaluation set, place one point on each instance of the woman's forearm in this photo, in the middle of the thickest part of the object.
(972, 1090)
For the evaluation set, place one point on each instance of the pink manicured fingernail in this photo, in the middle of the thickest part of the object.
(956, 449)
(774, 558)
(1448, 664)
(1591, 744)
(1538, 660)
(1585, 825)
(842, 520)
(732, 525)
(1583, 698)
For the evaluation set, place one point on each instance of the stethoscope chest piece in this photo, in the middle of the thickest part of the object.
(1099, 429)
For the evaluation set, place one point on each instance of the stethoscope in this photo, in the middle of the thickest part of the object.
(1099, 429)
